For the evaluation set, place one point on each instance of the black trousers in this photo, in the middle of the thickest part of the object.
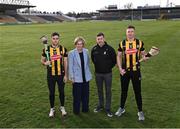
(52, 80)
(135, 77)
(80, 95)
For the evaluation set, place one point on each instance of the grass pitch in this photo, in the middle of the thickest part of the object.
(23, 87)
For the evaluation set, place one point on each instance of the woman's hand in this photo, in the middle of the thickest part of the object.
(65, 79)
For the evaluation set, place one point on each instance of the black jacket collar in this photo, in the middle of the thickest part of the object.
(105, 44)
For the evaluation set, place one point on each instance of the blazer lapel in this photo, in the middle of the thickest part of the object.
(77, 57)
(85, 58)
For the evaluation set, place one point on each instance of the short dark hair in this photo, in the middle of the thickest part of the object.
(100, 34)
(131, 27)
(55, 34)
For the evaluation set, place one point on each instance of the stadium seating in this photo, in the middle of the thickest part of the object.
(138, 14)
(173, 16)
(20, 18)
(50, 18)
(7, 19)
(65, 18)
(150, 17)
(35, 19)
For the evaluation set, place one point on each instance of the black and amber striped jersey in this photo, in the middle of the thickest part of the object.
(57, 56)
(131, 53)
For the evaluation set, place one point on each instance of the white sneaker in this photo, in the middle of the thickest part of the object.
(51, 113)
(141, 116)
(109, 113)
(120, 111)
(63, 111)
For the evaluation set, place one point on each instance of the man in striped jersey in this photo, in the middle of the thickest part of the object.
(56, 71)
(129, 52)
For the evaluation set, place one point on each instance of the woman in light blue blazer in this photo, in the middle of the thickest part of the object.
(80, 75)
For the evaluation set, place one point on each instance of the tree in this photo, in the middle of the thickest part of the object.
(128, 6)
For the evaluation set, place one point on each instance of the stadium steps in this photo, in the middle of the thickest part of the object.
(66, 18)
(50, 18)
(35, 19)
(7, 19)
(20, 18)
(61, 19)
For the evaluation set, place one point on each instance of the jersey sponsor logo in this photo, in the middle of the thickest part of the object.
(130, 46)
(131, 51)
(138, 46)
(56, 57)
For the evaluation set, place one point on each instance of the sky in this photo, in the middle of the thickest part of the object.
(66, 6)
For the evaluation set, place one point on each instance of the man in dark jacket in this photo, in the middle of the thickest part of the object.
(104, 59)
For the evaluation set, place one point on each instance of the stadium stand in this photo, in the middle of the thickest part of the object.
(150, 17)
(20, 18)
(8, 13)
(172, 16)
(50, 18)
(7, 19)
(65, 18)
(35, 19)
(156, 12)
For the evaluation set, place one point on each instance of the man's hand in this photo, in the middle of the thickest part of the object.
(47, 63)
(122, 71)
(145, 58)
(65, 79)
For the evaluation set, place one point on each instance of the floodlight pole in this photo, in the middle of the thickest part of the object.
(141, 13)
(132, 15)
(160, 9)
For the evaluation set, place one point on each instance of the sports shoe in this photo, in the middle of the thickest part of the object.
(141, 116)
(120, 111)
(109, 113)
(63, 111)
(51, 113)
(98, 109)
